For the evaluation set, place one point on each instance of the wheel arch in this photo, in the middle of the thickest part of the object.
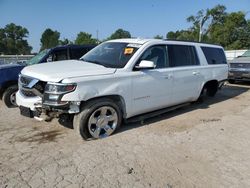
(119, 100)
(210, 83)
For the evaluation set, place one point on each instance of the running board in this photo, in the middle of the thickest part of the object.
(154, 113)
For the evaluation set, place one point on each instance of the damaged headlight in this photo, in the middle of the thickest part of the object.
(55, 91)
(56, 88)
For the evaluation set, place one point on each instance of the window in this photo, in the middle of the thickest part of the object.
(111, 54)
(59, 55)
(182, 55)
(77, 53)
(157, 54)
(214, 55)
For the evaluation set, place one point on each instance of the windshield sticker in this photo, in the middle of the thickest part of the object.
(134, 45)
(128, 51)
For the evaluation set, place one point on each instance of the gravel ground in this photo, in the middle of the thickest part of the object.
(201, 145)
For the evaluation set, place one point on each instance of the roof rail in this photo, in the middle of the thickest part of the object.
(190, 41)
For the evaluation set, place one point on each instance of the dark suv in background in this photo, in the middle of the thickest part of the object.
(239, 68)
(9, 72)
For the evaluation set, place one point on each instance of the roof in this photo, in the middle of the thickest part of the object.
(132, 40)
(143, 41)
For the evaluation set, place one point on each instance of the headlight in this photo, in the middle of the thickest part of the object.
(54, 93)
(56, 88)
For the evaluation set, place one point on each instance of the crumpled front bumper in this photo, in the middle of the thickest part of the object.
(30, 102)
(33, 107)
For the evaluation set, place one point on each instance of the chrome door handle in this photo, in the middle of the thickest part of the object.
(196, 73)
(167, 77)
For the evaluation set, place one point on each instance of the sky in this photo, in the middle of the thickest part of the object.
(142, 18)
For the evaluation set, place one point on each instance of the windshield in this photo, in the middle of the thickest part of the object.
(111, 54)
(37, 58)
(246, 54)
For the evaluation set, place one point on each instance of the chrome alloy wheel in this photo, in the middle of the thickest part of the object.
(103, 122)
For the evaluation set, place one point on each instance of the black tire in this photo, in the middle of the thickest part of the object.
(8, 95)
(81, 120)
(209, 90)
(231, 81)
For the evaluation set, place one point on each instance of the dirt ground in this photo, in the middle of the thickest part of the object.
(201, 145)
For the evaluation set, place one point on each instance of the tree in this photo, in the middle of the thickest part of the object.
(119, 34)
(65, 41)
(2, 41)
(85, 38)
(49, 39)
(158, 37)
(231, 30)
(13, 40)
(233, 33)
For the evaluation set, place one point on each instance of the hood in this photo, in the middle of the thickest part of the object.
(7, 66)
(59, 70)
(240, 60)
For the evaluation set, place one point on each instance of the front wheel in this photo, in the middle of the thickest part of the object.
(98, 119)
(9, 96)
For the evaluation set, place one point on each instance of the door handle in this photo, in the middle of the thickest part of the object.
(196, 73)
(167, 77)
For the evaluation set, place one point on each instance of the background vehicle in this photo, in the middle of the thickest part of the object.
(9, 73)
(239, 68)
(121, 79)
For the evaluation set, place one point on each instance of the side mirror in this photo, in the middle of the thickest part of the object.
(144, 64)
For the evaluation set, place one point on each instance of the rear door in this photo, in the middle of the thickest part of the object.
(186, 72)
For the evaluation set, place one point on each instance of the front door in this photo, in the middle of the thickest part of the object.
(152, 88)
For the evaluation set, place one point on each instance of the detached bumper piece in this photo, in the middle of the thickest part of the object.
(24, 111)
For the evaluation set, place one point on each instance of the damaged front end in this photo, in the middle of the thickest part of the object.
(43, 100)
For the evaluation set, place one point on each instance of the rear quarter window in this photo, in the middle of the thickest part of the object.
(214, 56)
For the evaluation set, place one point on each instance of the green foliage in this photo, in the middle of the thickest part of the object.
(85, 38)
(65, 42)
(119, 34)
(49, 39)
(158, 37)
(13, 40)
(231, 30)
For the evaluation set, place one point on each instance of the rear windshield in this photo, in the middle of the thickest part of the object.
(214, 55)
(111, 54)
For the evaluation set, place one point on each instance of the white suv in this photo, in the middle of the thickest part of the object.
(120, 79)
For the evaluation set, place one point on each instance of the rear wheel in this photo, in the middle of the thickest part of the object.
(209, 89)
(9, 96)
(98, 119)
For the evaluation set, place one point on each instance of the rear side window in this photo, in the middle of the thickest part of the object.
(77, 53)
(214, 56)
(182, 55)
(59, 55)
